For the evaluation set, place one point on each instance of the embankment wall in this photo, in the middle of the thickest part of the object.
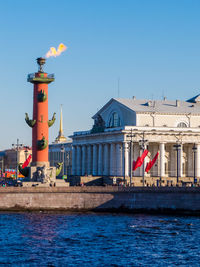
(161, 199)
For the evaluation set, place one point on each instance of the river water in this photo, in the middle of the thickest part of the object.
(78, 239)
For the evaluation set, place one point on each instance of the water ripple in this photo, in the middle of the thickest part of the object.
(47, 239)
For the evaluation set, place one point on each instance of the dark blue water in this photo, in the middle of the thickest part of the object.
(42, 239)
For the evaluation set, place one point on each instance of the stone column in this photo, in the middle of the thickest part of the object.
(119, 159)
(112, 160)
(89, 159)
(106, 160)
(100, 160)
(125, 159)
(73, 160)
(83, 160)
(180, 161)
(95, 163)
(162, 160)
(78, 162)
(190, 161)
(197, 154)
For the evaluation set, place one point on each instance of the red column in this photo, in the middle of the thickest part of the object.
(40, 114)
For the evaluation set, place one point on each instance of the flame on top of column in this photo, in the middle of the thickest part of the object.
(54, 53)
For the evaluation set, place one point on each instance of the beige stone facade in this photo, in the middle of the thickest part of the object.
(10, 158)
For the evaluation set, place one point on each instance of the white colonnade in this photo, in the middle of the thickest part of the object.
(113, 159)
(98, 159)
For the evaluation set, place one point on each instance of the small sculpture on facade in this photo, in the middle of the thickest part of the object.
(99, 125)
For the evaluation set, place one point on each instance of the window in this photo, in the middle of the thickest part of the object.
(182, 125)
(114, 121)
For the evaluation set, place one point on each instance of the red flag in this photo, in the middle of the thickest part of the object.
(140, 160)
(151, 163)
(133, 165)
(26, 162)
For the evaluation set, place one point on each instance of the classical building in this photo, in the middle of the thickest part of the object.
(61, 150)
(124, 127)
(9, 158)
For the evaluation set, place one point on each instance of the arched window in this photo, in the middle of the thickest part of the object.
(114, 121)
(182, 125)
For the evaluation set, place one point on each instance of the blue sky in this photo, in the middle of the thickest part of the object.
(152, 46)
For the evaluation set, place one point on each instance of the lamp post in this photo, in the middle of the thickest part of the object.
(194, 149)
(177, 147)
(67, 161)
(17, 146)
(143, 144)
(63, 158)
(1, 167)
(131, 135)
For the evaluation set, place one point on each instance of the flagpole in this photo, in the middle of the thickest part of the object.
(131, 135)
(16, 147)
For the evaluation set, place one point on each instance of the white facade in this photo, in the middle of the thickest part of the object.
(162, 123)
(61, 153)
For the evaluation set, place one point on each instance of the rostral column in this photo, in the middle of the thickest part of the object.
(40, 123)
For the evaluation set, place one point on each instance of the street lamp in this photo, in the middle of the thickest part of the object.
(63, 158)
(194, 149)
(67, 161)
(17, 146)
(131, 135)
(1, 167)
(177, 147)
(143, 144)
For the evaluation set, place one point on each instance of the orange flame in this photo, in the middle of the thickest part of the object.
(54, 53)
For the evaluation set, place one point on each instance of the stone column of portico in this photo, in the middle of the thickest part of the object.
(89, 160)
(180, 160)
(95, 162)
(125, 159)
(100, 160)
(119, 159)
(162, 160)
(78, 162)
(83, 160)
(73, 160)
(197, 162)
(190, 161)
(112, 159)
(106, 160)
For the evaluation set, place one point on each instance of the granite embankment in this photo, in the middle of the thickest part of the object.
(135, 199)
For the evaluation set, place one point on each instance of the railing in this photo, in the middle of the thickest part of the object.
(82, 133)
(32, 75)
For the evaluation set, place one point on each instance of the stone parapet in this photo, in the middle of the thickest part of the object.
(110, 198)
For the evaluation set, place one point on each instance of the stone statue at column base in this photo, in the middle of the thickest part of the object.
(43, 174)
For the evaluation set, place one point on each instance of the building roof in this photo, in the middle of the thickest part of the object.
(161, 106)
